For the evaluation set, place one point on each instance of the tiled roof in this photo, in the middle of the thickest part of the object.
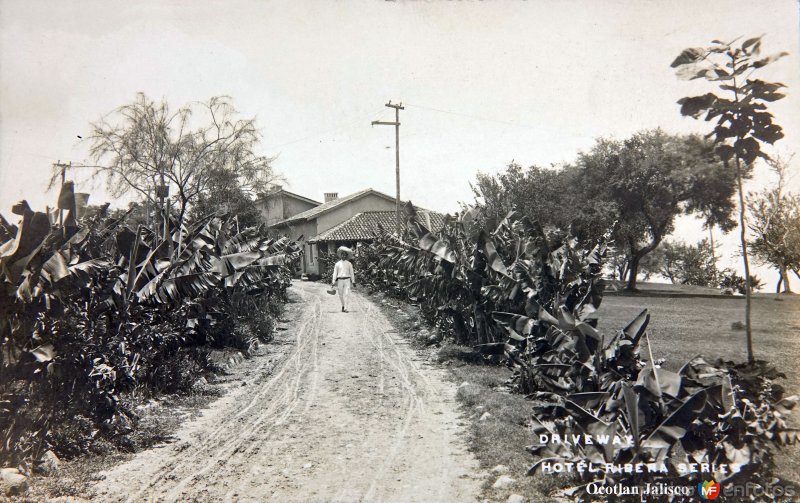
(364, 226)
(322, 208)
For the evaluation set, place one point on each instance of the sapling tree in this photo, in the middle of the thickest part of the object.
(743, 124)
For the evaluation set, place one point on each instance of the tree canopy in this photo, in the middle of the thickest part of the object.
(641, 183)
(651, 178)
(684, 264)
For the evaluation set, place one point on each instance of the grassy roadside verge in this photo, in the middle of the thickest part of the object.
(498, 432)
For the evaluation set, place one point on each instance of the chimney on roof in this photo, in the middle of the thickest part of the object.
(330, 196)
(276, 188)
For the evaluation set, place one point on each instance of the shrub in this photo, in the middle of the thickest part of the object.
(729, 279)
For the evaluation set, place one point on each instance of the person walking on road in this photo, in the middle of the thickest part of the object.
(343, 278)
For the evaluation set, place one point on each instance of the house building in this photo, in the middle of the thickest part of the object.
(281, 204)
(339, 220)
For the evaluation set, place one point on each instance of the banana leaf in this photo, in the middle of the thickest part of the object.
(674, 427)
(441, 249)
(278, 246)
(636, 328)
(272, 261)
(659, 381)
(55, 268)
(187, 286)
(33, 229)
(632, 410)
(66, 198)
(518, 323)
(229, 264)
(493, 260)
(44, 353)
(247, 240)
(91, 266)
(81, 202)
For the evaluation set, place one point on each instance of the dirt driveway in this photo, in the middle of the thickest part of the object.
(351, 414)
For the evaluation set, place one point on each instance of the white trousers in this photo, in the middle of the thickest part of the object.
(343, 287)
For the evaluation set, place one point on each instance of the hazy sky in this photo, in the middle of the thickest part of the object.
(484, 83)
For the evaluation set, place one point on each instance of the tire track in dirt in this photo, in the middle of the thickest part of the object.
(279, 406)
(351, 414)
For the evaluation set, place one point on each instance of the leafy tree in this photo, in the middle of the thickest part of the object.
(230, 197)
(540, 194)
(648, 180)
(775, 224)
(641, 183)
(649, 266)
(687, 264)
(551, 196)
(743, 124)
(145, 146)
(619, 263)
(719, 214)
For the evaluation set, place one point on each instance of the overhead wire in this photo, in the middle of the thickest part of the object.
(475, 117)
(322, 133)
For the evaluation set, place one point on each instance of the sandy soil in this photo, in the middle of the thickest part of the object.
(350, 414)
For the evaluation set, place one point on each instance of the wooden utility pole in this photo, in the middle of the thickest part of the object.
(396, 125)
(64, 167)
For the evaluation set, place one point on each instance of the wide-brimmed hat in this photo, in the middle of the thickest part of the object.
(345, 249)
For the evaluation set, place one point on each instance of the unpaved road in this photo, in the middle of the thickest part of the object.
(350, 414)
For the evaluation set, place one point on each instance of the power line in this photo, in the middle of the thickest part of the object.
(322, 133)
(475, 117)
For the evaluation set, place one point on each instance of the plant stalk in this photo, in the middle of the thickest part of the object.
(747, 286)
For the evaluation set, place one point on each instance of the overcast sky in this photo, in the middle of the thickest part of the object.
(483, 83)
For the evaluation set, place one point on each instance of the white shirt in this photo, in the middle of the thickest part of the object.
(343, 269)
